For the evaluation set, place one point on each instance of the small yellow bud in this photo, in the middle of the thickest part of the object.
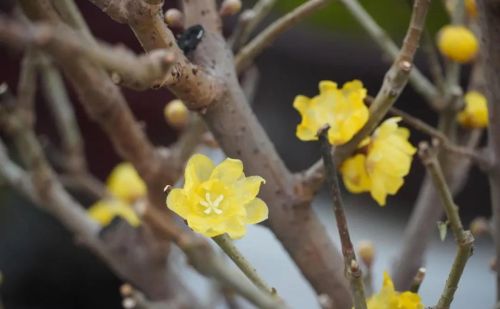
(475, 112)
(479, 227)
(470, 6)
(174, 18)
(457, 43)
(366, 252)
(230, 7)
(176, 114)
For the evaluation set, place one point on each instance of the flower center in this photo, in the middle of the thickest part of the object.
(212, 206)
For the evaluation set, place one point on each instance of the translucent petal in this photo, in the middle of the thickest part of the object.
(301, 103)
(198, 169)
(306, 133)
(236, 228)
(104, 211)
(354, 174)
(228, 171)
(257, 211)
(178, 203)
(246, 189)
(327, 85)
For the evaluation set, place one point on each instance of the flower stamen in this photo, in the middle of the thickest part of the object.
(212, 206)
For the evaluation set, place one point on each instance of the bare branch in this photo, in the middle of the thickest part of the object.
(248, 53)
(419, 82)
(463, 238)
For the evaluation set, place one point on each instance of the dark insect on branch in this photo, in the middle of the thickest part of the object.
(189, 39)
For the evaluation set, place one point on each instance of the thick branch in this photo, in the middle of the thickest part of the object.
(489, 10)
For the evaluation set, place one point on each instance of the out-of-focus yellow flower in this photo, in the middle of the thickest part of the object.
(343, 109)
(475, 113)
(457, 43)
(218, 199)
(125, 184)
(384, 159)
(104, 211)
(176, 114)
(388, 298)
(126, 187)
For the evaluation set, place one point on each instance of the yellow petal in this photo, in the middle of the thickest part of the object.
(354, 174)
(236, 228)
(104, 211)
(198, 169)
(301, 103)
(306, 133)
(125, 183)
(327, 85)
(248, 188)
(256, 211)
(228, 171)
(178, 203)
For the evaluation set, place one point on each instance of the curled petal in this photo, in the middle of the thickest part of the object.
(257, 211)
(228, 171)
(178, 203)
(198, 169)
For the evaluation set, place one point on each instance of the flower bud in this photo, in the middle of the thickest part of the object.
(366, 252)
(457, 43)
(479, 227)
(176, 114)
(230, 7)
(174, 18)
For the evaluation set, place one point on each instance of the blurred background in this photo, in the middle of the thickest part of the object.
(43, 267)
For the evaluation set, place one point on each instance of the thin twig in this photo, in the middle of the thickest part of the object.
(204, 260)
(227, 245)
(248, 53)
(463, 238)
(71, 15)
(26, 87)
(417, 280)
(352, 268)
(419, 82)
(248, 21)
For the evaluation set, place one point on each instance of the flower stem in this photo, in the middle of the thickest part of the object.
(463, 238)
(227, 245)
(352, 268)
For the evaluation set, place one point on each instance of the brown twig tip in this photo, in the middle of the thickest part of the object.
(417, 280)
(354, 266)
(323, 130)
(126, 289)
(3, 88)
(167, 189)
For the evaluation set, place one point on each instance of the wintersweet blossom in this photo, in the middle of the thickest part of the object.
(343, 109)
(218, 199)
(389, 298)
(104, 211)
(457, 43)
(475, 113)
(380, 163)
(125, 187)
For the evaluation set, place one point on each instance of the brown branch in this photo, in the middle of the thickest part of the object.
(395, 80)
(463, 238)
(489, 22)
(352, 268)
(187, 81)
(248, 53)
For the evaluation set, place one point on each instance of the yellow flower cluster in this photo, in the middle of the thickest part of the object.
(388, 298)
(125, 187)
(384, 159)
(457, 43)
(475, 113)
(343, 109)
(218, 199)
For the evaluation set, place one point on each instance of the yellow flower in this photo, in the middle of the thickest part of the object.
(343, 109)
(125, 183)
(384, 160)
(218, 199)
(104, 211)
(388, 298)
(457, 43)
(125, 187)
(475, 113)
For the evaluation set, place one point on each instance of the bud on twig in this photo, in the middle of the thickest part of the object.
(174, 18)
(366, 252)
(230, 7)
(176, 114)
(479, 227)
